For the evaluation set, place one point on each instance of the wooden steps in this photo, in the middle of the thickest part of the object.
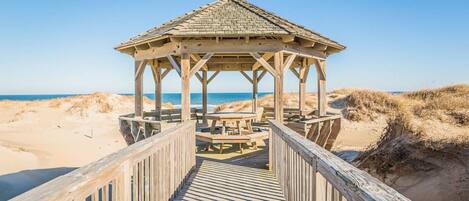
(221, 181)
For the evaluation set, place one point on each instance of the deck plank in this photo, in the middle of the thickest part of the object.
(216, 180)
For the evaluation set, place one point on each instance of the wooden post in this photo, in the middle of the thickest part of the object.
(254, 91)
(139, 68)
(185, 88)
(278, 87)
(303, 76)
(322, 101)
(156, 70)
(204, 97)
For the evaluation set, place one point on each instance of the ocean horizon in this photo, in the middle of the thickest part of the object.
(173, 98)
(214, 99)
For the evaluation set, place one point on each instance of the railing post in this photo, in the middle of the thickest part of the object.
(271, 146)
(124, 182)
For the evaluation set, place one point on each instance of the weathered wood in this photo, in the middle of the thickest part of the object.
(239, 46)
(267, 56)
(185, 87)
(246, 76)
(87, 180)
(264, 72)
(197, 58)
(200, 64)
(216, 180)
(324, 133)
(335, 129)
(204, 97)
(265, 64)
(156, 70)
(165, 72)
(255, 79)
(140, 69)
(278, 86)
(288, 147)
(156, 52)
(288, 62)
(303, 77)
(139, 88)
(293, 70)
(174, 64)
(322, 98)
(213, 76)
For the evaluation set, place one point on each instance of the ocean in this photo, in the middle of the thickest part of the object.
(173, 98)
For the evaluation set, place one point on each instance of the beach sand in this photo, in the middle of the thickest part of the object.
(418, 143)
(40, 140)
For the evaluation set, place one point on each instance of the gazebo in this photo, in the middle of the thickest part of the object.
(230, 35)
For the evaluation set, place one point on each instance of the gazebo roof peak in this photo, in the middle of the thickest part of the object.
(230, 18)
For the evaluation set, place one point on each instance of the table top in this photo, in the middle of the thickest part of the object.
(232, 116)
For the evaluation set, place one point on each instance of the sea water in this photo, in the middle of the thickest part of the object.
(173, 98)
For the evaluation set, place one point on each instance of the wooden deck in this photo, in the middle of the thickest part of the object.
(214, 180)
(165, 167)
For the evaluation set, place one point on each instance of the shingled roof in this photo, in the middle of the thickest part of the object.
(229, 18)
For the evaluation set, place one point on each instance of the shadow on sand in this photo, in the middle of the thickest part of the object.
(16, 183)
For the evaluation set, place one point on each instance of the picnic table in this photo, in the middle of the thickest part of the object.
(236, 117)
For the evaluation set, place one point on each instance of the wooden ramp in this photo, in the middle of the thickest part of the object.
(221, 181)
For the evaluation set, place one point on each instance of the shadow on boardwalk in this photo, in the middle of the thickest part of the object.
(16, 183)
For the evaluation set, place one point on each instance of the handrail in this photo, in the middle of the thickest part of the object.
(306, 171)
(151, 169)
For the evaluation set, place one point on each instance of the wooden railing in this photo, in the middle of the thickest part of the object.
(152, 169)
(269, 113)
(135, 129)
(306, 171)
(321, 130)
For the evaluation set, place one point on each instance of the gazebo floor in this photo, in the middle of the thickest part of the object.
(231, 180)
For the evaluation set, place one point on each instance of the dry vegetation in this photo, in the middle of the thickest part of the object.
(425, 143)
(423, 151)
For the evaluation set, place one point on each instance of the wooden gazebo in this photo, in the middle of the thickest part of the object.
(230, 35)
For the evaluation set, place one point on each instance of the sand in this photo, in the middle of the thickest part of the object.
(40, 140)
(417, 143)
(425, 156)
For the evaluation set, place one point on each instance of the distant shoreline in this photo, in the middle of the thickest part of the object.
(173, 98)
(214, 99)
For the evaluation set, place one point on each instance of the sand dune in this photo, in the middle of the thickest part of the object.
(417, 142)
(59, 133)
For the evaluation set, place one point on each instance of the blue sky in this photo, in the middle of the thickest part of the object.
(53, 46)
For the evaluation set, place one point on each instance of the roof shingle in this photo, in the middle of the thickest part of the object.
(229, 18)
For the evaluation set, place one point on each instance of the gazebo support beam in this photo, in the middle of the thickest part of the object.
(247, 76)
(204, 97)
(303, 77)
(264, 72)
(200, 63)
(139, 69)
(174, 64)
(265, 64)
(213, 76)
(240, 46)
(156, 71)
(254, 90)
(278, 86)
(322, 100)
(185, 88)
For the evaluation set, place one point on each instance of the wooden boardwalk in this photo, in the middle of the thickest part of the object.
(214, 180)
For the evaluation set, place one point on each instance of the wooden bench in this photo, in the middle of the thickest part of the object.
(232, 139)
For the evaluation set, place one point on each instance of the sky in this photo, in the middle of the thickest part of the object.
(63, 47)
